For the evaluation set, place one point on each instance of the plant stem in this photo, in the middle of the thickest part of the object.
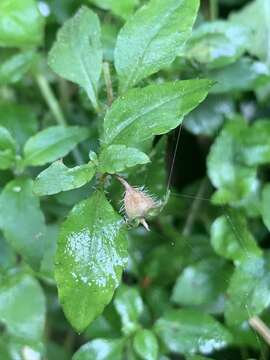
(55, 108)
(261, 328)
(108, 82)
(50, 99)
(194, 208)
(213, 9)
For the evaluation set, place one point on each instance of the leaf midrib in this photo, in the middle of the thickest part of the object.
(123, 125)
(166, 18)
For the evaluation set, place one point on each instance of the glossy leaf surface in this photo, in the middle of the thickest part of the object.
(146, 345)
(91, 255)
(116, 158)
(58, 177)
(77, 54)
(156, 109)
(22, 306)
(129, 305)
(231, 238)
(152, 38)
(249, 290)
(100, 349)
(22, 221)
(188, 331)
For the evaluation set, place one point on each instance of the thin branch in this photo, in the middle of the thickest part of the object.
(50, 99)
(55, 109)
(261, 328)
(213, 9)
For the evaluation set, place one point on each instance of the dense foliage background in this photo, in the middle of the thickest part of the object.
(197, 285)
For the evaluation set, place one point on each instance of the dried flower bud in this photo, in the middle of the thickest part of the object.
(137, 203)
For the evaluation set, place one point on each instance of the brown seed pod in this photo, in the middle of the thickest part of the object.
(137, 203)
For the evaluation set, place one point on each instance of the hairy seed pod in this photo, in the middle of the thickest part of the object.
(137, 203)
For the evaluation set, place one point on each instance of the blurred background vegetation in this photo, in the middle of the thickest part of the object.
(199, 281)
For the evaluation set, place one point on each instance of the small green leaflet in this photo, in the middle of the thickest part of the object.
(77, 53)
(231, 238)
(91, 254)
(52, 143)
(20, 121)
(198, 284)
(100, 349)
(187, 331)
(21, 23)
(116, 158)
(146, 345)
(216, 44)
(22, 306)
(57, 177)
(22, 221)
(15, 66)
(255, 16)
(249, 290)
(233, 179)
(245, 74)
(129, 305)
(152, 38)
(154, 110)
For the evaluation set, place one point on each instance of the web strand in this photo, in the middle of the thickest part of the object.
(174, 157)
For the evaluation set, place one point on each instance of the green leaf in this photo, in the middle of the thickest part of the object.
(152, 39)
(129, 305)
(22, 307)
(77, 54)
(50, 240)
(20, 120)
(6, 140)
(7, 255)
(52, 143)
(100, 349)
(91, 254)
(156, 109)
(7, 149)
(202, 282)
(256, 18)
(22, 220)
(57, 177)
(155, 265)
(146, 345)
(208, 117)
(231, 238)
(255, 144)
(249, 290)
(265, 206)
(15, 66)
(122, 8)
(216, 44)
(21, 348)
(189, 331)
(244, 75)
(227, 172)
(21, 23)
(116, 158)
